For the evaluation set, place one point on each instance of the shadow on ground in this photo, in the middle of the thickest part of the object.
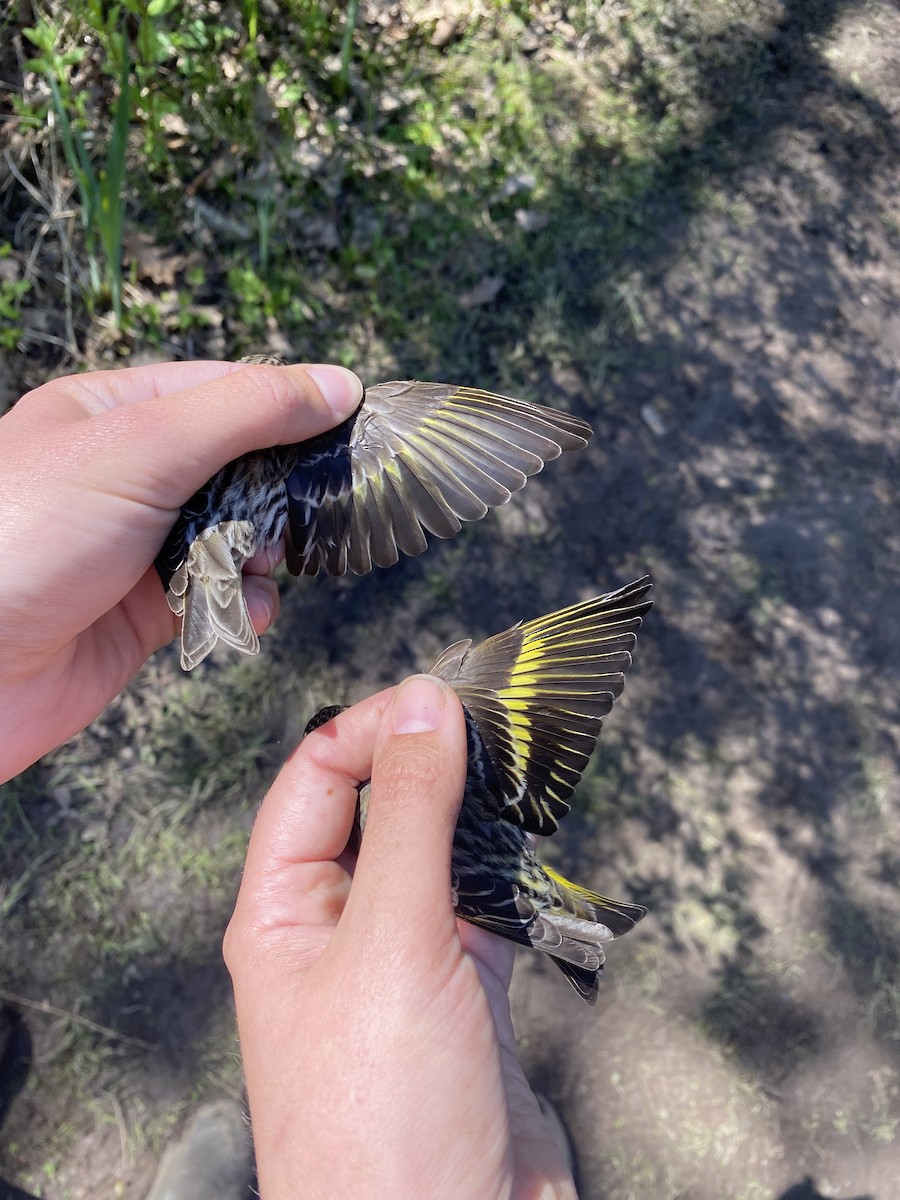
(746, 452)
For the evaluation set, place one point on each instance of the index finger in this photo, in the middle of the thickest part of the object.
(308, 813)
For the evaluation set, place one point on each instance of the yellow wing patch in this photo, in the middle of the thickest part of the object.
(538, 693)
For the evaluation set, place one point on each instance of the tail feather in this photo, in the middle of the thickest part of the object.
(585, 981)
(568, 923)
(585, 920)
(206, 592)
(618, 916)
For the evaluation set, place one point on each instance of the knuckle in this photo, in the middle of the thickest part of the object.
(275, 388)
(410, 768)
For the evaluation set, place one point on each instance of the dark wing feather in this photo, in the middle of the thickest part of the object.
(570, 927)
(537, 694)
(194, 515)
(416, 458)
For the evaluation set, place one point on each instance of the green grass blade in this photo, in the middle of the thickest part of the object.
(347, 43)
(112, 200)
(77, 158)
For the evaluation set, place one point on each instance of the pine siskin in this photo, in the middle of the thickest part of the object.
(415, 458)
(534, 698)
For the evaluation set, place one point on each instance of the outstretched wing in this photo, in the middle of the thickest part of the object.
(537, 694)
(416, 458)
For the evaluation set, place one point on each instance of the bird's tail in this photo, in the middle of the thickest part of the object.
(206, 592)
(583, 921)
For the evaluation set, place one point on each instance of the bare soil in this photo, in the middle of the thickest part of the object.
(747, 453)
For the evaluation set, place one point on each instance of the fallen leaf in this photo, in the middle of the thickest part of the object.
(484, 292)
(531, 220)
(153, 262)
(653, 420)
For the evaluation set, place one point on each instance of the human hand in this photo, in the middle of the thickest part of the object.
(93, 471)
(378, 1048)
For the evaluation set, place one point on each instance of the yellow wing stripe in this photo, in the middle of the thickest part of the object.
(543, 659)
(538, 692)
(532, 650)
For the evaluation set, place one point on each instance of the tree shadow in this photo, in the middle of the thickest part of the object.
(743, 512)
(15, 1064)
(807, 1190)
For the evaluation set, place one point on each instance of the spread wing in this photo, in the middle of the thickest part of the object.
(416, 458)
(538, 692)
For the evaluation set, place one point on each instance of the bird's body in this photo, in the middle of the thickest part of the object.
(415, 459)
(534, 698)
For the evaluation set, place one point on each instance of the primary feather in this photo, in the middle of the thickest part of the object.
(535, 697)
(416, 459)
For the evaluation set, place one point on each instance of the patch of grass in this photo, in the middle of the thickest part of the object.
(872, 800)
(875, 1119)
(13, 290)
(606, 792)
(704, 927)
(416, 172)
(635, 1176)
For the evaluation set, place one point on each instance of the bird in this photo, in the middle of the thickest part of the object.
(534, 698)
(416, 458)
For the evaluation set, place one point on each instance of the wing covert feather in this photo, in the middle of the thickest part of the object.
(415, 459)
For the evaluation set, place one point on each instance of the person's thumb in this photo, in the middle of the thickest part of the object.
(173, 442)
(402, 878)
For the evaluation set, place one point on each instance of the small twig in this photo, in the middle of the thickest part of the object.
(32, 191)
(35, 335)
(122, 1127)
(42, 1006)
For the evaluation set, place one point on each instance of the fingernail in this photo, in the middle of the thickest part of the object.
(267, 602)
(419, 704)
(273, 555)
(262, 592)
(341, 388)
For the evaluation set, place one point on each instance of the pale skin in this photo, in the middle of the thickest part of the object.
(395, 1038)
(93, 471)
(375, 1029)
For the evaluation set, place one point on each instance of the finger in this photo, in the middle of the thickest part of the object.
(263, 601)
(101, 391)
(169, 443)
(494, 957)
(306, 819)
(266, 561)
(418, 776)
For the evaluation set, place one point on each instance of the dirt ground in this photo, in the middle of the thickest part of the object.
(760, 1056)
(747, 454)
